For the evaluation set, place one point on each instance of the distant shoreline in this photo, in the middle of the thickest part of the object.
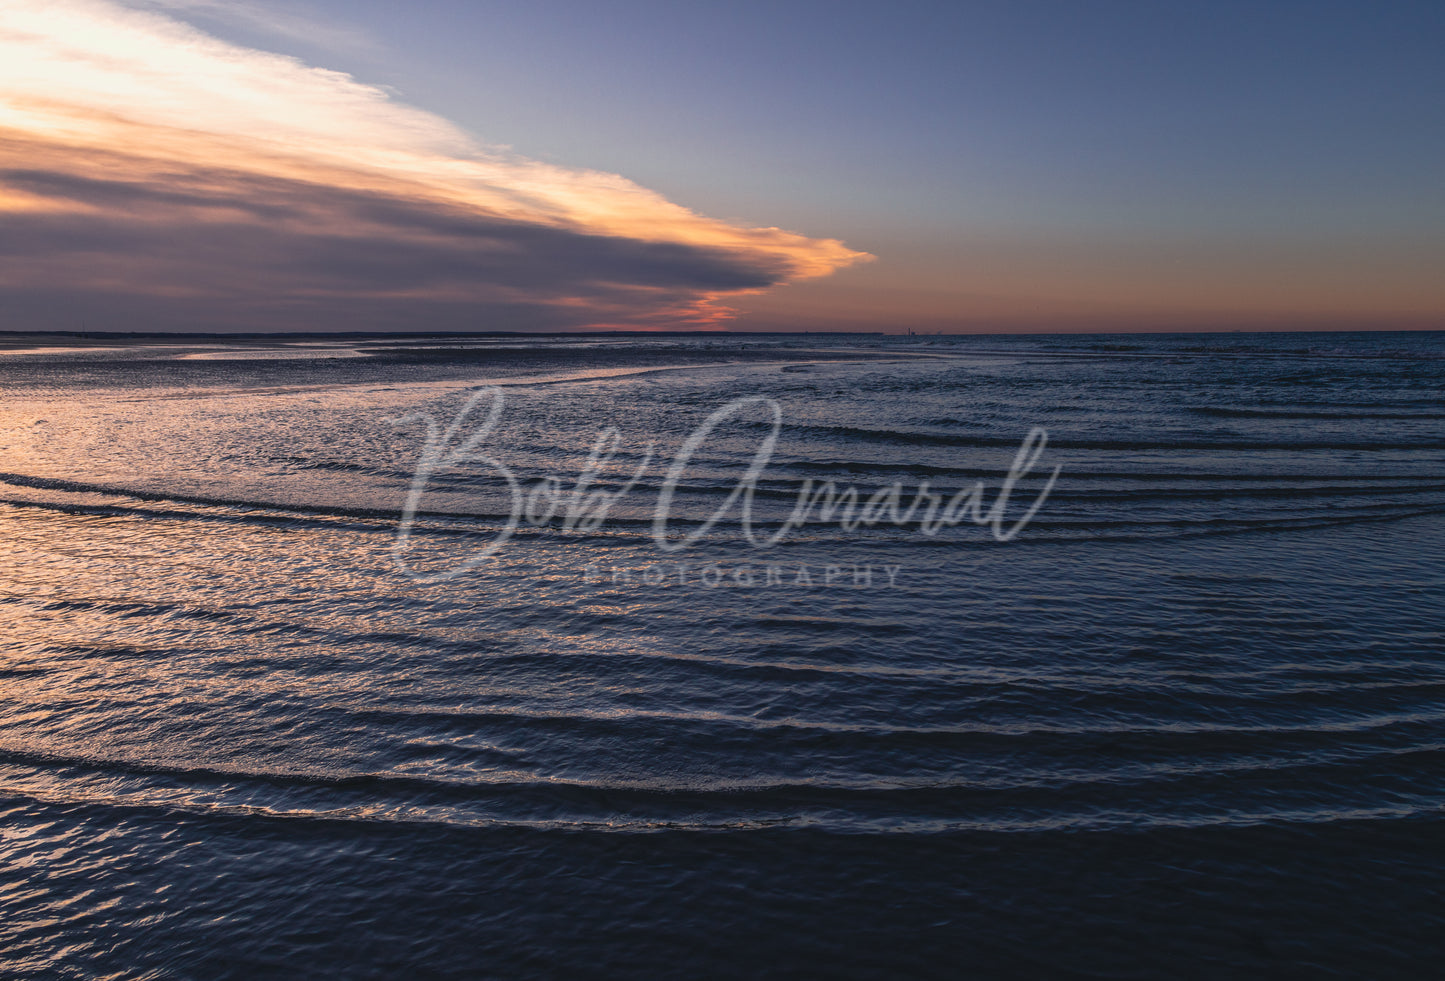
(17, 338)
(20, 338)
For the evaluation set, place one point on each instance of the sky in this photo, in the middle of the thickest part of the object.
(1032, 165)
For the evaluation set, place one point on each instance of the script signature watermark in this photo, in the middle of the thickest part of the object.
(584, 505)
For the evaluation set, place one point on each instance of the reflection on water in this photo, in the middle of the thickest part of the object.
(1201, 690)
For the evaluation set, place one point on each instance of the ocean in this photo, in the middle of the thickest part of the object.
(736, 656)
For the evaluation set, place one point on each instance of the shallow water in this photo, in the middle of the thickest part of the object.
(1186, 720)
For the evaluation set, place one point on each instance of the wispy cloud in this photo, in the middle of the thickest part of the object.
(265, 18)
(154, 175)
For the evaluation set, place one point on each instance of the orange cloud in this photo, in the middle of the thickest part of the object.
(153, 177)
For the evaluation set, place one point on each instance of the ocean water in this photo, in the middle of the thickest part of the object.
(637, 657)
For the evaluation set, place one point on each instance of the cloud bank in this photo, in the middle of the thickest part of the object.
(155, 178)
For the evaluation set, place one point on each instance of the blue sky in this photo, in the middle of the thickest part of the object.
(1023, 165)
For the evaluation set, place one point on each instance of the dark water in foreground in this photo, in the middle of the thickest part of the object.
(1188, 722)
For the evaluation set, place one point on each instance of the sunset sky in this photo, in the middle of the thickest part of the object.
(266, 165)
